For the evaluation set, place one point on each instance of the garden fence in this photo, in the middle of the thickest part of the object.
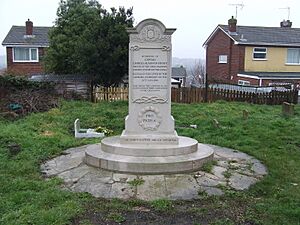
(110, 94)
(198, 95)
(195, 95)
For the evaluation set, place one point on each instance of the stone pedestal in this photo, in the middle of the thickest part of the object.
(149, 144)
(186, 156)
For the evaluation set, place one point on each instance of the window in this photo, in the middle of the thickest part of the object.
(293, 56)
(25, 54)
(244, 82)
(222, 58)
(260, 53)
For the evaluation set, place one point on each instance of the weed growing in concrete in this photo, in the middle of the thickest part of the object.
(136, 182)
(208, 166)
(227, 174)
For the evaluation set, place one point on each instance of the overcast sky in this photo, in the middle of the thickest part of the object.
(194, 19)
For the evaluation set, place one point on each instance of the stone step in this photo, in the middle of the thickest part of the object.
(185, 145)
(95, 156)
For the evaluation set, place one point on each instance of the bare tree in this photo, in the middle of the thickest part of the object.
(198, 73)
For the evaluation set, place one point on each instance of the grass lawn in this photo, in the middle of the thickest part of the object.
(27, 198)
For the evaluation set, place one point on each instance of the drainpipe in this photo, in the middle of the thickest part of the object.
(230, 62)
(260, 82)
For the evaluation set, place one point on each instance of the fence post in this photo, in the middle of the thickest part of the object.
(206, 89)
(92, 91)
(295, 96)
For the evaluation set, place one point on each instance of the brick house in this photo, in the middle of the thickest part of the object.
(25, 48)
(252, 55)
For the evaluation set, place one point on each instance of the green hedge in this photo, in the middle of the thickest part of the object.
(19, 82)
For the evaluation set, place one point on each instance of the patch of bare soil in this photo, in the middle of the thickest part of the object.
(17, 103)
(211, 210)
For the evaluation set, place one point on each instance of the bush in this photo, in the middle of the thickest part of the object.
(19, 83)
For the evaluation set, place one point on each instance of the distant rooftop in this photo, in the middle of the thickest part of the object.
(60, 77)
(278, 36)
(261, 36)
(16, 36)
(178, 72)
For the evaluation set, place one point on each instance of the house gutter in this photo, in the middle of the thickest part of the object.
(24, 45)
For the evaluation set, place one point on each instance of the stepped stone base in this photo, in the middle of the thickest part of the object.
(188, 155)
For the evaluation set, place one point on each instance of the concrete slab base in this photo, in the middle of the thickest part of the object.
(232, 170)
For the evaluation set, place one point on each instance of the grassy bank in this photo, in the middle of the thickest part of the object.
(27, 198)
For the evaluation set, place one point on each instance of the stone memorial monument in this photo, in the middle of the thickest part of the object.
(149, 144)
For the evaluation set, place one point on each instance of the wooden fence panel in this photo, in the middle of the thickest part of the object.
(197, 95)
(110, 94)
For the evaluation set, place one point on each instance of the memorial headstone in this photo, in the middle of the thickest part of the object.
(288, 109)
(245, 114)
(150, 53)
(149, 144)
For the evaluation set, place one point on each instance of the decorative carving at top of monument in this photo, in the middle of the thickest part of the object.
(150, 30)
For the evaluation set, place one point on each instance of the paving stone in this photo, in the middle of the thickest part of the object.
(218, 172)
(123, 178)
(73, 176)
(101, 175)
(76, 149)
(206, 181)
(79, 177)
(229, 153)
(235, 166)
(97, 186)
(49, 168)
(222, 163)
(241, 182)
(154, 187)
(212, 190)
(208, 175)
(217, 157)
(96, 189)
(182, 187)
(258, 168)
(245, 171)
(64, 163)
(80, 154)
(122, 191)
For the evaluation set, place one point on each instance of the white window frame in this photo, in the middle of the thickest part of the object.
(259, 59)
(223, 59)
(30, 60)
(289, 63)
(244, 82)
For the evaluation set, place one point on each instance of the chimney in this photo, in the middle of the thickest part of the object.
(29, 27)
(232, 25)
(286, 23)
